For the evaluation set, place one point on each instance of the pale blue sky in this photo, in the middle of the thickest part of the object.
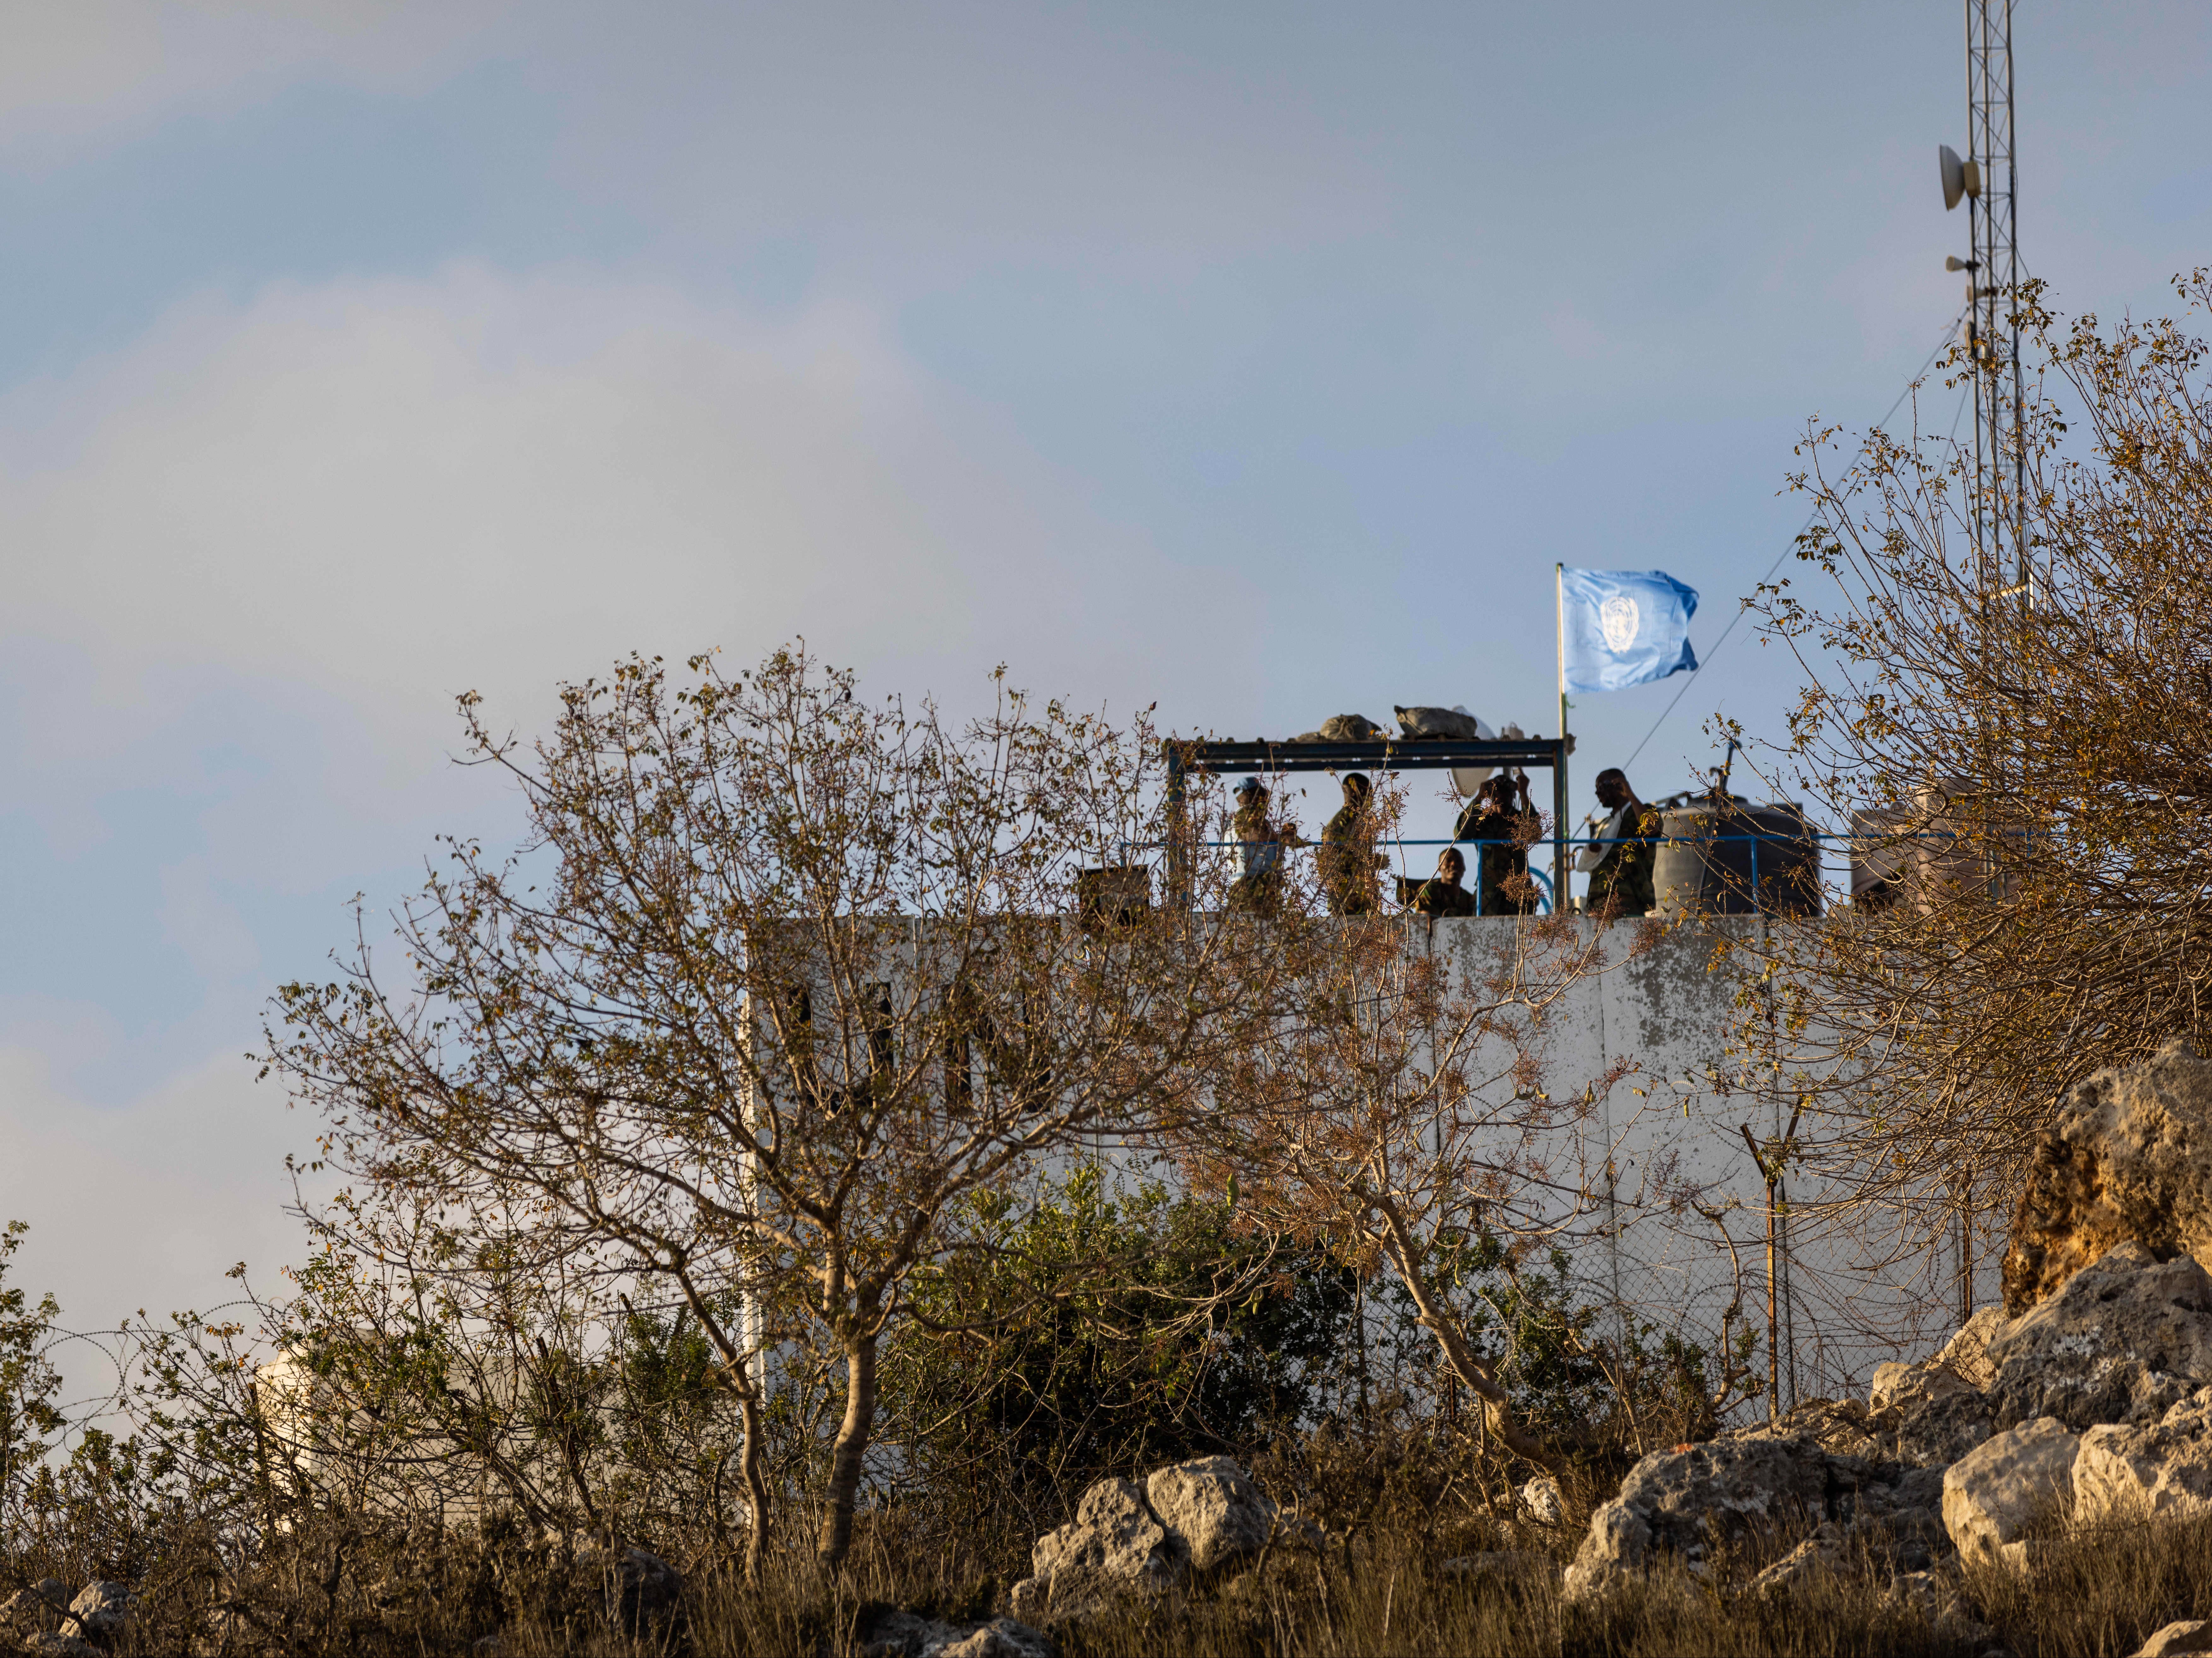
(1259, 358)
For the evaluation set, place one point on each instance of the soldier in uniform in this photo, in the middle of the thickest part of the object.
(1502, 823)
(1442, 893)
(1261, 841)
(1620, 879)
(1348, 859)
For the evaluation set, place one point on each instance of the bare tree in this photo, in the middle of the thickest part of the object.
(1406, 1106)
(778, 979)
(2023, 757)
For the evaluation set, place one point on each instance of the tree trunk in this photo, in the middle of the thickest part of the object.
(756, 1486)
(1405, 1260)
(851, 1442)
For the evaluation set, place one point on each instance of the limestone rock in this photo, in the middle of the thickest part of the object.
(1932, 1413)
(1682, 1501)
(29, 1607)
(1113, 1546)
(2127, 1160)
(1822, 1551)
(2163, 1469)
(49, 1644)
(908, 1635)
(1836, 1425)
(1994, 1494)
(1546, 1503)
(1222, 1517)
(2128, 1337)
(100, 1609)
(2190, 1635)
(1966, 1354)
(1002, 1637)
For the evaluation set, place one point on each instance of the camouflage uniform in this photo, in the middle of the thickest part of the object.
(1258, 885)
(1438, 897)
(1622, 879)
(1502, 856)
(1347, 862)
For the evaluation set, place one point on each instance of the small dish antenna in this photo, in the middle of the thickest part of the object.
(1960, 178)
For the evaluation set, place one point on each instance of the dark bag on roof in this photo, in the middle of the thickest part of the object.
(1344, 728)
(1418, 723)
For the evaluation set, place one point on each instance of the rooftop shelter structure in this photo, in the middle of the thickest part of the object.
(1187, 757)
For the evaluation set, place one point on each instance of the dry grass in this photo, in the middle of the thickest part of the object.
(340, 1588)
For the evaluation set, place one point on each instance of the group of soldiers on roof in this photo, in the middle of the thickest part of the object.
(1500, 822)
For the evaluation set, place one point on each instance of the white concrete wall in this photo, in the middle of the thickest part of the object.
(1667, 1010)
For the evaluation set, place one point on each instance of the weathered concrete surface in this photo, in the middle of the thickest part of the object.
(2127, 1160)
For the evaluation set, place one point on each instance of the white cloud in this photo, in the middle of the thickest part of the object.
(399, 490)
(85, 69)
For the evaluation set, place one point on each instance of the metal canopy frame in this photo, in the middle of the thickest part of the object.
(1426, 754)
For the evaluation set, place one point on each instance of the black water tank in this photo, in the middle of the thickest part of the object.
(1732, 858)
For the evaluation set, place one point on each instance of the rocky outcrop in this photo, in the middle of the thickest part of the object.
(100, 1610)
(2127, 1160)
(1204, 1517)
(1114, 1546)
(2094, 1398)
(2162, 1471)
(1222, 1517)
(2000, 1491)
(1805, 1474)
(908, 1635)
(2127, 1337)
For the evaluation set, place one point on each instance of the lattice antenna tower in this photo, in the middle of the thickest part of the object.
(1988, 180)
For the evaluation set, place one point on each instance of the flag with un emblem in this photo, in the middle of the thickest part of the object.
(1623, 627)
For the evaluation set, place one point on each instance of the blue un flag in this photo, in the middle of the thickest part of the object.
(1624, 627)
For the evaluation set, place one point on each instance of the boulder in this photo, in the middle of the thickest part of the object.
(1546, 1503)
(2001, 1488)
(100, 1610)
(908, 1635)
(2125, 1340)
(1114, 1546)
(49, 1644)
(2190, 1635)
(1683, 1501)
(2128, 1159)
(1819, 1463)
(1221, 1518)
(1963, 1366)
(2163, 1469)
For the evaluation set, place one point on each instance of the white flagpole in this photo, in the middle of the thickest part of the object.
(1561, 898)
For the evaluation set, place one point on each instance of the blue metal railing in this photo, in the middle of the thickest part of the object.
(1545, 895)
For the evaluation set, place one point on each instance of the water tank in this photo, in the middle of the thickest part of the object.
(1732, 858)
